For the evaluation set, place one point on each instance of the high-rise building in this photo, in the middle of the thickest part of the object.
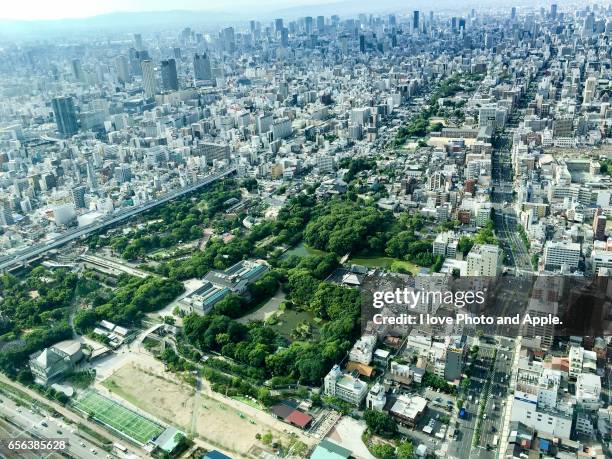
(65, 115)
(169, 75)
(362, 46)
(308, 24)
(392, 20)
(6, 216)
(590, 86)
(415, 20)
(123, 70)
(201, 67)
(77, 69)
(553, 11)
(285, 37)
(264, 123)
(215, 152)
(78, 197)
(561, 253)
(123, 173)
(148, 78)
(138, 42)
(320, 23)
(228, 40)
(92, 181)
(485, 260)
(599, 225)
(278, 25)
(513, 13)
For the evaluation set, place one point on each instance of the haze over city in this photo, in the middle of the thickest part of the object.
(323, 229)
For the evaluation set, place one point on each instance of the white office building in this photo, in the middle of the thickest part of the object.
(345, 386)
(485, 260)
(363, 350)
(561, 253)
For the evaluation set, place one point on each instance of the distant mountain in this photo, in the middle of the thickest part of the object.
(148, 20)
(122, 20)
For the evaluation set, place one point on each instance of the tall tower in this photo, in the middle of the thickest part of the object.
(138, 42)
(201, 67)
(415, 21)
(123, 70)
(169, 76)
(77, 70)
(78, 197)
(148, 78)
(65, 115)
(6, 215)
(553, 11)
(92, 181)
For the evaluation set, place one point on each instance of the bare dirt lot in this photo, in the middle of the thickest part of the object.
(172, 402)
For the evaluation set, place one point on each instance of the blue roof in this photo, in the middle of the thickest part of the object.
(329, 450)
(214, 454)
(544, 444)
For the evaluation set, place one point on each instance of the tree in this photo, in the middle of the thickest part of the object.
(267, 438)
(382, 451)
(404, 450)
(465, 244)
(380, 423)
(299, 448)
(230, 306)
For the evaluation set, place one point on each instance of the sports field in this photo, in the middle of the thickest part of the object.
(118, 417)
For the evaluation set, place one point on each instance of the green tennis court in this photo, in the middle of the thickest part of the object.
(119, 418)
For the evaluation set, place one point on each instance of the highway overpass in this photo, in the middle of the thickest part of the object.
(16, 260)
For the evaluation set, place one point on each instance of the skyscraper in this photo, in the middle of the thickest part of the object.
(278, 25)
(6, 215)
(123, 70)
(148, 78)
(77, 69)
(553, 11)
(513, 14)
(138, 42)
(65, 115)
(228, 39)
(308, 24)
(78, 197)
(169, 76)
(415, 20)
(320, 23)
(201, 67)
(92, 181)
(285, 37)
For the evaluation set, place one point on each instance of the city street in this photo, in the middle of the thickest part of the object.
(484, 383)
(38, 424)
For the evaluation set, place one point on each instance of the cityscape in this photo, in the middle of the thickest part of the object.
(207, 224)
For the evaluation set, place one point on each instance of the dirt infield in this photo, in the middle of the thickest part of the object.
(216, 422)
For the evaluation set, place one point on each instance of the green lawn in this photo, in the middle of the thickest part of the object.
(386, 263)
(249, 402)
(118, 417)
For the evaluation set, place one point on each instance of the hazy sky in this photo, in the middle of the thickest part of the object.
(64, 9)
